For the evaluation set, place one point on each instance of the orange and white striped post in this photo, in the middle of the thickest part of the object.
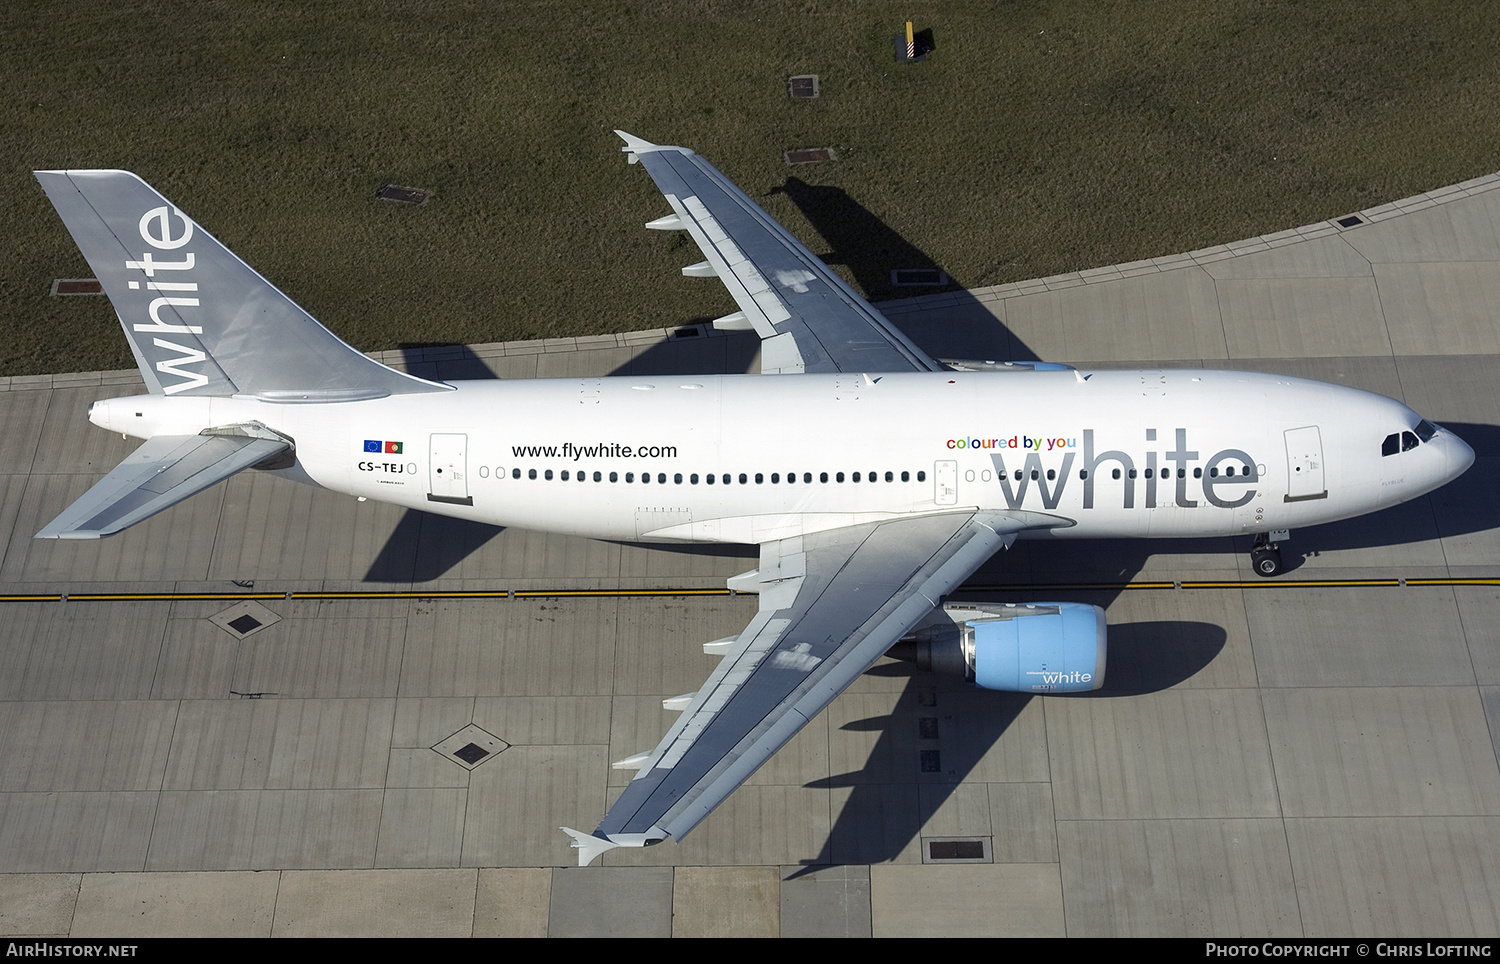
(911, 42)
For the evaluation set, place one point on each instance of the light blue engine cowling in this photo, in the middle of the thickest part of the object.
(1056, 648)
(1015, 647)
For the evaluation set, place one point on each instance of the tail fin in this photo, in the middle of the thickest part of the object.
(201, 321)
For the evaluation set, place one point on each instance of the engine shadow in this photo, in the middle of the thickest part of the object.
(943, 730)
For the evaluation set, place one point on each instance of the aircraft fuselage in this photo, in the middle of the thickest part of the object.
(750, 458)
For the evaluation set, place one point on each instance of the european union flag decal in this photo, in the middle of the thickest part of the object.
(372, 445)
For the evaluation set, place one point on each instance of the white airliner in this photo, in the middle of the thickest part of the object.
(874, 478)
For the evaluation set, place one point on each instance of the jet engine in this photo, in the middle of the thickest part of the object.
(1015, 647)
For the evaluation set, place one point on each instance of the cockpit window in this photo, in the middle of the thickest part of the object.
(1423, 431)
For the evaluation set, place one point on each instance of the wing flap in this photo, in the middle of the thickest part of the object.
(833, 603)
(782, 288)
(159, 474)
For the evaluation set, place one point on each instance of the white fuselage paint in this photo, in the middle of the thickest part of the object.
(947, 441)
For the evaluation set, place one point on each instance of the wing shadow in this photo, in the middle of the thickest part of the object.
(871, 250)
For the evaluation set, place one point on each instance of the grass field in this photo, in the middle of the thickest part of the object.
(1038, 138)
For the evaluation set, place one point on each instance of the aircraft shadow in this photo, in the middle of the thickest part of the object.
(945, 729)
(424, 547)
(871, 250)
(688, 351)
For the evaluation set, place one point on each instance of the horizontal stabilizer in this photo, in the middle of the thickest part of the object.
(159, 474)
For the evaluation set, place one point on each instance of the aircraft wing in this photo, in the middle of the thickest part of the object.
(807, 318)
(159, 474)
(831, 604)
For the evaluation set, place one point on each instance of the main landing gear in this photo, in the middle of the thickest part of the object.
(1265, 554)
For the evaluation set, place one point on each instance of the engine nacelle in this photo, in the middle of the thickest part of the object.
(1014, 647)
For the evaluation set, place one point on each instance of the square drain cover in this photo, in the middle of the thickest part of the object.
(244, 619)
(471, 746)
(405, 195)
(956, 850)
(803, 86)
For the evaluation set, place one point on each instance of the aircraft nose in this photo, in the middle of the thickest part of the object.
(1457, 454)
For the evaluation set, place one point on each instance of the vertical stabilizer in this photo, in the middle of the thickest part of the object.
(201, 321)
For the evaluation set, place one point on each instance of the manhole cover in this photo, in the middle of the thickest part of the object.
(471, 746)
(244, 619)
(244, 624)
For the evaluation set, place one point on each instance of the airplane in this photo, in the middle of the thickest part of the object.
(873, 478)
